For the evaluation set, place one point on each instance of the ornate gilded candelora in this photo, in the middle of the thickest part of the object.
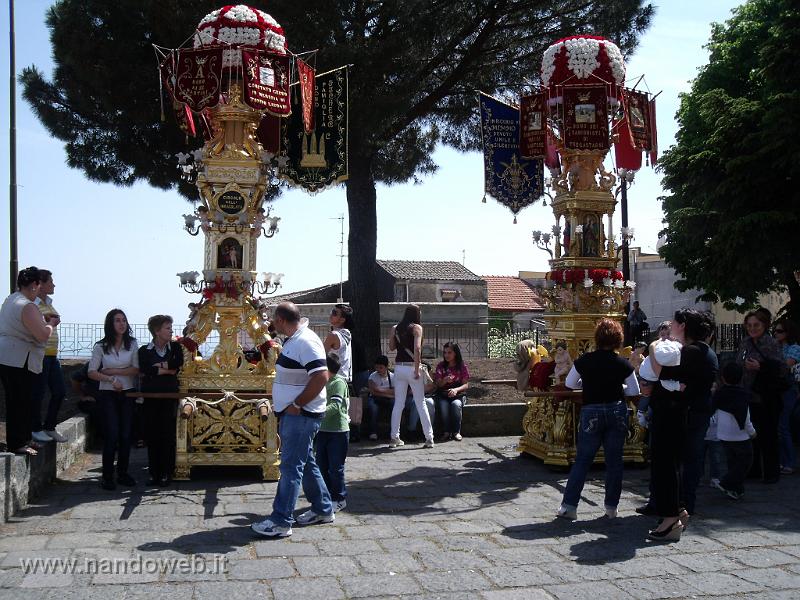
(583, 78)
(226, 410)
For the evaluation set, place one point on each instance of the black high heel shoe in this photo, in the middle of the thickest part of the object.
(671, 534)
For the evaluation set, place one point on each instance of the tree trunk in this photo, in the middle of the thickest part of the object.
(792, 309)
(361, 248)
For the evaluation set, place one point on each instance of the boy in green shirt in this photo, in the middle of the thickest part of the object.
(333, 436)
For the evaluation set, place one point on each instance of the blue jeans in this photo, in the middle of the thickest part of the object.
(788, 455)
(298, 466)
(413, 415)
(331, 449)
(373, 406)
(116, 412)
(716, 459)
(50, 378)
(450, 411)
(605, 424)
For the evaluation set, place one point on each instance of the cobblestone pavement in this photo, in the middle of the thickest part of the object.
(464, 520)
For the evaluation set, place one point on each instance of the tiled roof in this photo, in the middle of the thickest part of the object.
(428, 269)
(511, 293)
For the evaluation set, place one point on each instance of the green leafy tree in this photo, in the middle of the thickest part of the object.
(733, 213)
(416, 69)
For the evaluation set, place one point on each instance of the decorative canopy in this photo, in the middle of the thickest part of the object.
(582, 59)
(240, 25)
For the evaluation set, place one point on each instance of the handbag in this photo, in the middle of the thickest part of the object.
(772, 378)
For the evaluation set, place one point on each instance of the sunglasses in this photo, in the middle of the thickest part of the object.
(779, 331)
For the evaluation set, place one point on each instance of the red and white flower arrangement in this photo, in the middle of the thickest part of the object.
(579, 57)
(239, 25)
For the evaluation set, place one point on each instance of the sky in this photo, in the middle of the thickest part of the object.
(111, 246)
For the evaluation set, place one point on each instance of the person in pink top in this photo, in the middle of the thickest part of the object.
(452, 381)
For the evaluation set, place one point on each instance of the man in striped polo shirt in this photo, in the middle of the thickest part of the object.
(298, 398)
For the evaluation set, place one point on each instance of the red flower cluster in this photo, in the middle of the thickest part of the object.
(578, 275)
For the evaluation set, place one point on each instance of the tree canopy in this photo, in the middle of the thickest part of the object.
(733, 212)
(416, 69)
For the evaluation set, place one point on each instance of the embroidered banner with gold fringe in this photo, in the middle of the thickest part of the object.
(586, 118)
(317, 160)
(512, 181)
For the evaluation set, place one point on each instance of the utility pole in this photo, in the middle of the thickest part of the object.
(342, 256)
(464, 257)
(12, 152)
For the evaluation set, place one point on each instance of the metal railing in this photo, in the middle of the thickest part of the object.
(76, 340)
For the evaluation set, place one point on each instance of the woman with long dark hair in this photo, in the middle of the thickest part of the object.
(761, 357)
(452, 381)
(406, 339)
(23, 334)
(115, 364)
(788, 336)
(668, 430)
(605, 378)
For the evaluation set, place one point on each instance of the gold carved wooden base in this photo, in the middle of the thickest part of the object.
(550, 430)
(228, 431)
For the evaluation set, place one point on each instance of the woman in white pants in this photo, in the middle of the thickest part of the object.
(406, 339)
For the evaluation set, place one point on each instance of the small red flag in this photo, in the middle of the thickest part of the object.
(305, 74)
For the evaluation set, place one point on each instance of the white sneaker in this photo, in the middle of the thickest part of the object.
(41, 436)
(611, 513)
(428, 443)
(56, 437)
(269, 529)
(395, 442)
(339, 505)
(373, 437)
(565, 512)
(310, 517)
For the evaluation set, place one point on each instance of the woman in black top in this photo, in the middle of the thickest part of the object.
(668, 428)
(606, 379)
(159, 363)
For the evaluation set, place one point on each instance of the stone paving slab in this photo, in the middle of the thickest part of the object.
(464, 520)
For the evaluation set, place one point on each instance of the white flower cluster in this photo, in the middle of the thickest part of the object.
(250, 34)
(582, 56)
(210, 18)
(582, 59)
(242, 14)
(549, 62)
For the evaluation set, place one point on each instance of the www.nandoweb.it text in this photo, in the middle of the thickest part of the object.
(192, 564)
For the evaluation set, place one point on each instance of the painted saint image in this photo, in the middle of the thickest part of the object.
(229, 254)
(535, 121)
(637, 118)
(585, 113)
(591, 236)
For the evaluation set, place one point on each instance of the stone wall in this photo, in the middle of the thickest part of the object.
(22, 478)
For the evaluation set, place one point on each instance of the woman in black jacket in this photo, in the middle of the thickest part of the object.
(159, 363)
(668, 430)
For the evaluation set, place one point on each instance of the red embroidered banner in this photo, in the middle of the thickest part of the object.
(269, 133)
(653, 133)
(626, 155)
(305, 74)
(198, 78)
(585, 118)
(637, 109)
(532, 126)
(266, 82)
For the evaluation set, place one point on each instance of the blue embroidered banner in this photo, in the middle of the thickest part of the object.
(512, 181)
